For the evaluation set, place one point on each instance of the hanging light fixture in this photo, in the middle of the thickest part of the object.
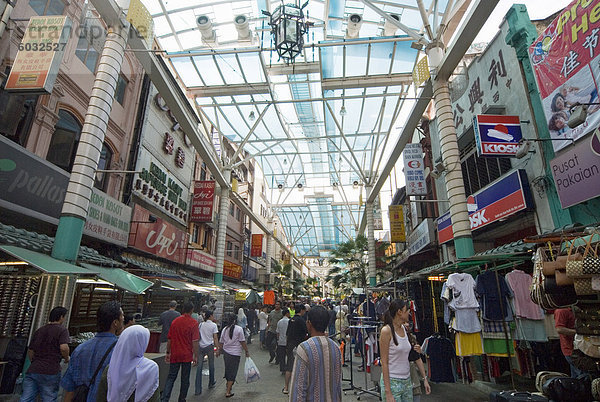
(288, 28)
(251, 116)
(343, 111)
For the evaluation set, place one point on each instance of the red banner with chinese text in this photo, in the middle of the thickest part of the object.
(565, 60)
(202, 201)
(256, 247)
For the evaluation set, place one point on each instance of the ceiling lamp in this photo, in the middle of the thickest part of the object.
(243, 29)
(251, 116)
(288, 29)
(389, 29)
(343, 111)
(206, 29)
(354, 24)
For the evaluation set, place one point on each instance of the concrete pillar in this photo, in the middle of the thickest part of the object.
(79, 190)
(222, 228)
(269, 250)
(371, 238)
(461, 225)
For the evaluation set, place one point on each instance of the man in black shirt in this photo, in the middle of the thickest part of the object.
(296, 334)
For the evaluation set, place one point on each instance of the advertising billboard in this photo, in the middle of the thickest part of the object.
(497, 135)
(203, 201)
(414, 170)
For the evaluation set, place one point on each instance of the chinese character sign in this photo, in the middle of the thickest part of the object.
(202, 201)
(40, 53)
(414, 170)
(256, 248)
(397, 232)
(565, 61)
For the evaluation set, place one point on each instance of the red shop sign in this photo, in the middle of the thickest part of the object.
(202, 201)
(159, 238)
(232, 270)
(256, 248)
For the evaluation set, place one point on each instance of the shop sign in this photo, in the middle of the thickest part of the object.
(159, 238)
(497, 135)
(40, 54)
(422, 236)
(257, 244)
(162, 105)
(576, 171)
(503, 198)
(203, 201)
(377, 219)
(565, 60)
(414, 170)
(34, 187)
(232, 270)
(202, 260)
(397, 230)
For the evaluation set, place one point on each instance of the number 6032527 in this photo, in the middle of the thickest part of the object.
(42, 47)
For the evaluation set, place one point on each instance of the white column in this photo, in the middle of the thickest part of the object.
(222, 228)
(371, 237)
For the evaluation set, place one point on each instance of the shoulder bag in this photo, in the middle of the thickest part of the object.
(81, 392)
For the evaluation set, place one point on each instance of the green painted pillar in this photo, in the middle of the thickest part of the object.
(521, 34)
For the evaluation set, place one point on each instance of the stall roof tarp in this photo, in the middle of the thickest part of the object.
(157, 270)
(43, 262)
(120, 278)
(183, 286)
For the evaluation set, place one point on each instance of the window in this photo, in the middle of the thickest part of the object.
(196, 234)
(87, 54)
(103, 164)
(91, 40)
(229, 247)
(47, 7)
(203, 171)
(231, 209)
(16, 115)
(207, 238)
(237, 252)
(238, 214)
(120, 91)
(63, 145)
(478, 172)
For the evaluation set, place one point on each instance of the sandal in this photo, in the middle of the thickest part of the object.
(229, 396)
(284, 391)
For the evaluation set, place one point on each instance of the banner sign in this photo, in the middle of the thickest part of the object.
(232, 270)
(421, 237)
(35, 187)
(397, 231)
(40, 53)
(565, 60)
(201, 260)
(203, 201)
(576, 172)
(256, 248)
(159, 238)
(497, 135)
(502, 198)
(414, 170)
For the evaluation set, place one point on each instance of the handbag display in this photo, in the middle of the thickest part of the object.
(590, 345)
(584, 362)
(566, 389)
(543, 376)
(583, 286)
(588, 265)
(562, 279)
(563, 296)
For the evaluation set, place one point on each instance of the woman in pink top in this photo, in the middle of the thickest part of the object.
(231, 344)
(394, 343)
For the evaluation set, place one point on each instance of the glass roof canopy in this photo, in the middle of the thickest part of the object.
(323, 123)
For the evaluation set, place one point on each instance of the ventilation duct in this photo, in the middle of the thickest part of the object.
(389, 29)
(354, 24)
(242, 27)
(206, 29)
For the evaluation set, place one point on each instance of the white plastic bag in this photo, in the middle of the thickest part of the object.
(251, 371)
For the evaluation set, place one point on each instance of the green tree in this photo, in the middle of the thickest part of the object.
(282, 279)
(350, 266)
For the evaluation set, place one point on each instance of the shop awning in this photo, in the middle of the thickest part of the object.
(43, 262)
(156, 270)
(121, 279)
(183, 286)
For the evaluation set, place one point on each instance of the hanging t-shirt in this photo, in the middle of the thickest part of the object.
(466, 320)
(463, 291)
(495, 302)
(440, 358)
(519, 283)
(269, 297)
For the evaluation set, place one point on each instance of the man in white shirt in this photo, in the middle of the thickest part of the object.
(263, 318)
(282, 326)
(208, 339)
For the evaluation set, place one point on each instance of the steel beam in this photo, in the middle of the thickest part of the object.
(367, 81)
(227, 90)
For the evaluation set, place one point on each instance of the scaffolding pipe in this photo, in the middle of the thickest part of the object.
(222, 228)
(371, 237)
(77, 197)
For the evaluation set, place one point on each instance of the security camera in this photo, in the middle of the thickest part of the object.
(355, 183)
(578, 116)
(523, 149)
(435, 173)
(243, 29)
(206, 29)
(300, 186)
(280, 186)
(354, 24)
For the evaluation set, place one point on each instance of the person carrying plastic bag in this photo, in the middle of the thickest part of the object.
(251, 371)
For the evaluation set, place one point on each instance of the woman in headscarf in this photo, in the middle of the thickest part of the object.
(242, 321)
(130, 377)
(231, 344)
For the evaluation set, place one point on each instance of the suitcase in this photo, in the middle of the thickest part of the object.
(515, 396)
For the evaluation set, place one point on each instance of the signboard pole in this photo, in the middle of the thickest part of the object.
(79, 190)
(463, 241)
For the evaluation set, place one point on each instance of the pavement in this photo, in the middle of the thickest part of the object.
(269, 387)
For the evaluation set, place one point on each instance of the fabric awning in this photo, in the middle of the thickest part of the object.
(183, 286)
(44, 262)
(121, 279)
